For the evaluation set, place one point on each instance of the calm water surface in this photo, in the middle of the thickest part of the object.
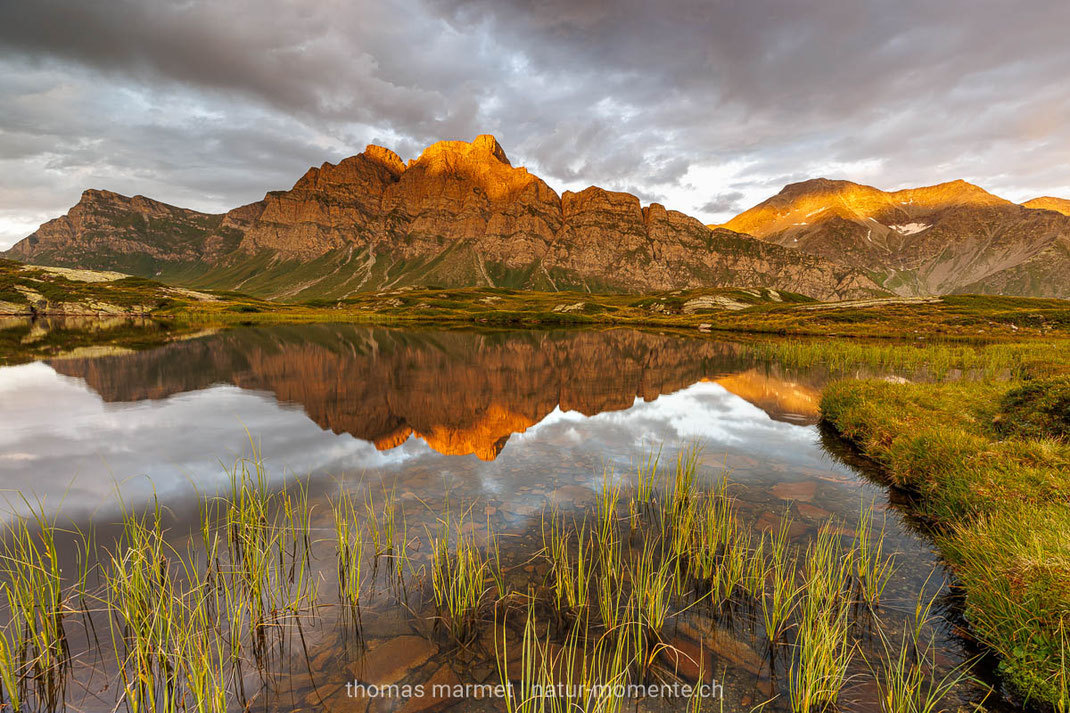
(505, 422)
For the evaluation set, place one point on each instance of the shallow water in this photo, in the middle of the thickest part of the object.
(505, 423)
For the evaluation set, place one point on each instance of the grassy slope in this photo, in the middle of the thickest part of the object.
(998, 494)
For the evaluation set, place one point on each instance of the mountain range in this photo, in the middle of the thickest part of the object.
(462, 215)
(944, 239)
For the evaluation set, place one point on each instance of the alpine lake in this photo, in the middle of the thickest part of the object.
(345, 518)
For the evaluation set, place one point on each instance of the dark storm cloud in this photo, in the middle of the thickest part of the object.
(706, 106)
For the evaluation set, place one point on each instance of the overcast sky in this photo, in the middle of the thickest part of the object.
(707, 106)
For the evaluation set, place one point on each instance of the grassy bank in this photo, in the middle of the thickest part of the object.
(989, 462)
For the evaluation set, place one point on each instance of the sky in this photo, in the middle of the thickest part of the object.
(707, 106)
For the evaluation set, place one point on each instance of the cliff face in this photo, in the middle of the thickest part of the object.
(952, 237)
(459, 215)
(108, 231)
(462, 393)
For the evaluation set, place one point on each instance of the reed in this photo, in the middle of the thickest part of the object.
(606, 508)
(10, 672)
(907, 681)
(647, 477)
(609, 588)
(683, 480)
(757, 570)
(382, 522)
(495, 570)
(683, 532)
(36, 638)
(269, 546)
(349, 550)
(729, 577)
(722, 547)
(571, 574)
(826, 570)
(871, 568)
(525, 695)
(778, 600)
(652, 582)
(824, 648)
(459, 581)
(144, 616)
(823, 654)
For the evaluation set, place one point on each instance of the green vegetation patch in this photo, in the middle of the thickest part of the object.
(990, 465)
(1015, 568)
(1037, 409)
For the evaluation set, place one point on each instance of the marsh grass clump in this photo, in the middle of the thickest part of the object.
(570, 564)
(460, 572)
(778, 601)
(871, 568)
(905, 671)
(822, 658)
(382, 522)
(1014, 568)
(824, 646)
(164, 619)
(651, 579)
(906, 676)
(34, 655)
(647, 477)
(349, 550)
(269, 546)
(580, 674)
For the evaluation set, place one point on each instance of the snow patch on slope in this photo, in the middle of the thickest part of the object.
(910, 228)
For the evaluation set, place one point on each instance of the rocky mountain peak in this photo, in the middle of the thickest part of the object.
(482, 162)
(1059, 205)
(918, 241)
(815, 186)
(951, 193)
(384, 157)
(489, 144)
(96, 194)
(484, 148)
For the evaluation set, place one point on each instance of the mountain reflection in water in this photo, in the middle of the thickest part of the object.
(461, 392)
(80, 434)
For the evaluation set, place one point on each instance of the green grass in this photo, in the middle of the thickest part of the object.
(1014, 566)
(989, 464)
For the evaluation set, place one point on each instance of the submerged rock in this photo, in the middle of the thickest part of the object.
(389, 662)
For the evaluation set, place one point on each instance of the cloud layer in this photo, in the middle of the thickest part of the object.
(707, 106)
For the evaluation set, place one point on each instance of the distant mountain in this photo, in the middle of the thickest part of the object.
(459, 215)
(949, 238)
(137, 235)
(1059, 205)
